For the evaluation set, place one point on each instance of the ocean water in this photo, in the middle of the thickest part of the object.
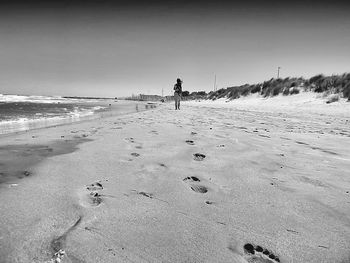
(20, 113)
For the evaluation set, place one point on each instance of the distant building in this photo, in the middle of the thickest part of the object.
(143, 97)
(150, 97)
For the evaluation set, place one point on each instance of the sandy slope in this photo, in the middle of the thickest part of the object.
(274, 179)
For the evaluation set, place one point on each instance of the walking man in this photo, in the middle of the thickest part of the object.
(177, 93)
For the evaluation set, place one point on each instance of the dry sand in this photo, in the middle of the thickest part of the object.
(131, 188)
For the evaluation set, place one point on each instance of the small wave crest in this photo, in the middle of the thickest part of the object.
(21, 116)
(32, 98)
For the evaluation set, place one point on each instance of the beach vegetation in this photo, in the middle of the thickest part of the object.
(346, 91)
(256, 88)
(327, 85)
(293, 91)
(185, 93)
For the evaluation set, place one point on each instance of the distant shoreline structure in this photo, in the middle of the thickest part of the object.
(88, 98)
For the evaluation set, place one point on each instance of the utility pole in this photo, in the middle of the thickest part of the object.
(278, 72)
(215, 83)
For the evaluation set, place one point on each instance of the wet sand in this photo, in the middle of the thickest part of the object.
(203, 184)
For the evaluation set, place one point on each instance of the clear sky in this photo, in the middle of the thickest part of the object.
(116, 48)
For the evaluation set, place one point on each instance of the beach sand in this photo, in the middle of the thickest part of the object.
(241, 181)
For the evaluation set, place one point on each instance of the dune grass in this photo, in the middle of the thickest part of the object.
(335, 84)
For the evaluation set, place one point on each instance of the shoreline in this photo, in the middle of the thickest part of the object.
(202, 184)
(113, 111)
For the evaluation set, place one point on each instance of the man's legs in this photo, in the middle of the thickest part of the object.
(177, 101)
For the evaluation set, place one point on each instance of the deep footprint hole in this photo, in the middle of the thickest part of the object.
(198, 156)
(149, 195)
(94, 186)
(95, 198)
(192, 179)
(199, 189)
(250, 249)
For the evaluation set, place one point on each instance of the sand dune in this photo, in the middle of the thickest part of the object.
(213, 182)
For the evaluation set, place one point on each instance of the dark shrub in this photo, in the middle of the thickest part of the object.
(234, 94)
(318, 89)
(338, 88)
(245, 90)
(220, 91)
(212, 95)
(223, 93)
(321, 87)
(294, 91)
(346, 91)
(316, 79)
(185, 93)
(276, 90)
(293, 84)
(285, 91)
(256, 88)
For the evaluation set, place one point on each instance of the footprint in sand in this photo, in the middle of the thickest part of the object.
(190, 142)
(26, 173)
(57, 244)
(199, 189)
(195, 187)
(58, 256)
(198, 156)
(130, 139)
(94, 197)
(21, 175)
(258, 254)
(149, 195)
(191, 179)
(94, 187)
